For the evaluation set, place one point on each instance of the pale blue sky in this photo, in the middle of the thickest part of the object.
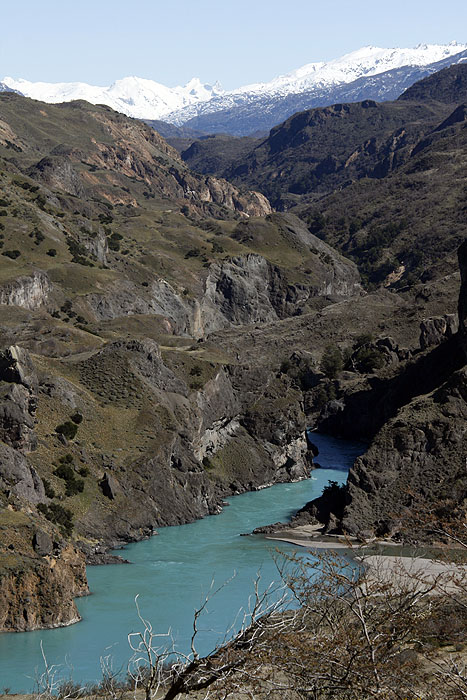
(99, 41)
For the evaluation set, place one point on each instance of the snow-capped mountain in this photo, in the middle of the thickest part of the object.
(135, 97)
(365, 62)
(5, 88)
(369, 60)
(195, 102)
(245, 114)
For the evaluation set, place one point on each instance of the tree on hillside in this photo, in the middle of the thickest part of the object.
(332, 362)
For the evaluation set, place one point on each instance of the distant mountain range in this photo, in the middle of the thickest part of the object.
(5, 88)
(368, 73)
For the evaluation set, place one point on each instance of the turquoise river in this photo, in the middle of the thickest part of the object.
(172, 573)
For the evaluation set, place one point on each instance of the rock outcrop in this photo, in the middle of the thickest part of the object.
(30, 292)
(417, 421)
(18, 399)
(434, 330)
(18, 478)
(38, 591)
(240, 290)
(462, 308)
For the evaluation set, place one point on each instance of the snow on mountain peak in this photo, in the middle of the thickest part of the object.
(147, 99)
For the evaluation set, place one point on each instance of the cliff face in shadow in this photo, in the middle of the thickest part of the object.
(417, 422)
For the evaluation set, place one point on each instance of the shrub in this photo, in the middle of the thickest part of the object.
(52, 252)
(67, 429)
(192, 253)
(66, 307)
(78, 252)
(13, 254)
(59, 515)
(37, 235)
(316, 222)
(72, 484)
(217, 247)
(367, 359)
(77, 418)
(331, 362)
(326, 391)
(48, 488)
(114, 245)
(105, 218)
(41, 201)
(362, 339)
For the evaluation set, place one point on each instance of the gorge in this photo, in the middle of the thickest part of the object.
(167, 336)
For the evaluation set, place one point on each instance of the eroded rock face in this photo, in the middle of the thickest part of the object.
(18, 477)
(434, 330)
(38, 592)
(16, 366)
(58, 173)
(417, 457)
(18, 399)
(160, 300)
(29, 292)
(238, 292)
(462, 309)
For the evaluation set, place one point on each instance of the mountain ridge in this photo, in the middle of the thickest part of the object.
(146, 99)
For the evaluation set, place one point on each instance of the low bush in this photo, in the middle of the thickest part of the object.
(67, 429)
(13, 254)
(63, 517)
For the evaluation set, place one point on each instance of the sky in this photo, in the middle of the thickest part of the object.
(235, 42)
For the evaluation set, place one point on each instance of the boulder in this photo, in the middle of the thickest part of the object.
(110, 486)
(42, 543)
(434, 330)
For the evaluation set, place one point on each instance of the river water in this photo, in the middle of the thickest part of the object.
(172, 573)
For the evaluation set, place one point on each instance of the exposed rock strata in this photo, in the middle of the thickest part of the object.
(240, 290)
(417, 458)
(215, 444)
(18, 399)
(38, 592)
(19, 478)
(30, 292)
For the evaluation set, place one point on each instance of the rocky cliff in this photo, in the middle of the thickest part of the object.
(242, 289)
(462, 308)
(132, 440)
(416, 421)
(40, 573)
(38, 591)
(29, 292)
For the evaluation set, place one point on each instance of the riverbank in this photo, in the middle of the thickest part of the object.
(386, 562)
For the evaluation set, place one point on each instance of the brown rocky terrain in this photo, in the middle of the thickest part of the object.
(114, 420)
(164, 344)
(415, 419)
